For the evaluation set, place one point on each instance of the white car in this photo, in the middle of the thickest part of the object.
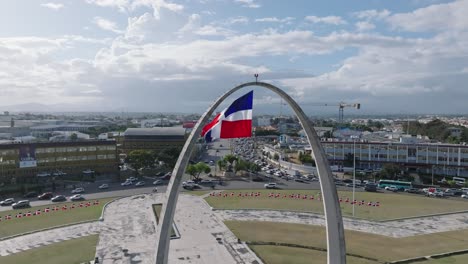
(78, 190)
(156, 182)
(465, 196)
(132, 179)
(126, 183)
(270, 185)
(104, 186)
(391, 188)
(77, 197)
(8, 201)
(140, 183)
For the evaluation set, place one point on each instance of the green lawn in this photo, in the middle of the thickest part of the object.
(291, 255)
(391, 205)
(51, 219)
(72, 251)
(357, 243)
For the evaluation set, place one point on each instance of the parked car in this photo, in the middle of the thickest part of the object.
(77, 197)
(103, 186)
(78, 190)
(45, 196)
(30, 195)
(412, 190)
(132, 179)
(435, 194)
(140, 183)
(465, 196)
(20, 204)
(370, 187)
(270, 185)
(8, 201)
(59, 198)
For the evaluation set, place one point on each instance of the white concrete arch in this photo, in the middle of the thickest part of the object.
(334, 222)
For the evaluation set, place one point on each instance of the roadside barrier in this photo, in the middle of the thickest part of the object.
(47, 210)
(294, 196)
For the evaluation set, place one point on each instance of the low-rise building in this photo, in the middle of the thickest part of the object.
(21, 162)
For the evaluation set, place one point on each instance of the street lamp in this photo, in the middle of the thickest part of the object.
(354, 171)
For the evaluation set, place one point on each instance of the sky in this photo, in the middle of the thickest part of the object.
(399, 57)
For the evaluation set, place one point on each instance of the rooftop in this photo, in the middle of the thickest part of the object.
(156, 131)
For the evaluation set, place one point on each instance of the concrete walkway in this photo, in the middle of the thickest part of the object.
(129, 224)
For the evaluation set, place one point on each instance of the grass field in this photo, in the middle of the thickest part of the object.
(460, 259)
(358, 243)
(72, 251)
(290, 255)
(392, 205)
(51, 219)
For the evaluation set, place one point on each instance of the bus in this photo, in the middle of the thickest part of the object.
(401, 185)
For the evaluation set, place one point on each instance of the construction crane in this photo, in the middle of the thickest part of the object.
(341, 106)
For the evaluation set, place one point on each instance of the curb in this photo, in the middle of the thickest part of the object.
(422, 216)
(101, 218)
(435, 256)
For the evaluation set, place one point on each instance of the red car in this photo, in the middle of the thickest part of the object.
(45, 196)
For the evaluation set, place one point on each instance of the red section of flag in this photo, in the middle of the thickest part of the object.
(210, 125)
(236, 129)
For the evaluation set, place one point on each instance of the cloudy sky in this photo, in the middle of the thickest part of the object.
(400, 56)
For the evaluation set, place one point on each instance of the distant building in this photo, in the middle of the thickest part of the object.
(25, 161)
(156, 138)
(455, 131)
(263, 121)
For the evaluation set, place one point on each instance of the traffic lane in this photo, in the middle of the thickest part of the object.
(130, 190)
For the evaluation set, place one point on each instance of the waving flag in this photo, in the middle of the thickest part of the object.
(233, 122)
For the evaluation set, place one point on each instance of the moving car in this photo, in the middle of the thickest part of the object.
(126, 183)
(8, 201)
(78, 190)
(45, 196)
(20, 204)
(412, 190)
(140, 183)
(391, 188)
(30, 195)
(59, 198)
(77, 197)
(103, 186)
(156, 182)
(270, 185)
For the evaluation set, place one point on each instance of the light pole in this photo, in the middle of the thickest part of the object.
(354, 170)
(432, 175)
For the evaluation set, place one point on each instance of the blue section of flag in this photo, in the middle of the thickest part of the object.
(242, 103)
(208, 137)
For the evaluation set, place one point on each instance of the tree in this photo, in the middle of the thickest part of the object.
(169, 156)
(390, 171)
(230, 159)
(139, 159)
(328, 134)
(276, 156)
(306, 158)
(221, 164)
(241, 165)
(196, 169)
(73, 137)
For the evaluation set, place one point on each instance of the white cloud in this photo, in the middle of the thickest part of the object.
(53, 6)
(275, 19)
(364, 26)
(106, 25)
(237, 20)
(248, 3)
(372, 14)
(440, 17)
(333, 20)
(131, 5)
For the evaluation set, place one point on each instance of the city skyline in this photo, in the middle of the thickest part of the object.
(179, 56)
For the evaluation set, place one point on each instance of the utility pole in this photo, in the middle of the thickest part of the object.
(354, 170)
